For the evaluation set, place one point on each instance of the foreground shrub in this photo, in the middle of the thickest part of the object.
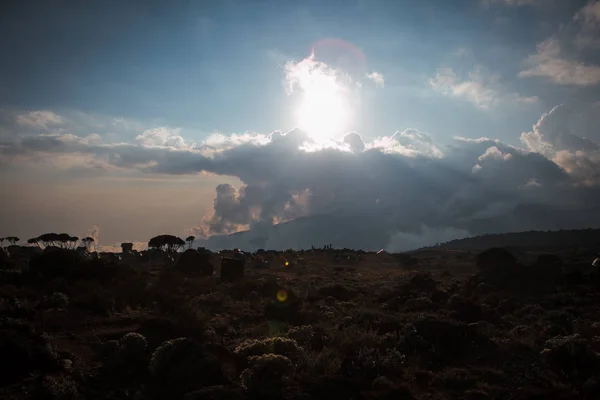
(571, 355)
(22, 351)
(180, 365)
(365, 364)
(56, 300)
(495, 258)
(60, 388)
(276, 345)
(303, 334)
(266, 375)
(132, 345)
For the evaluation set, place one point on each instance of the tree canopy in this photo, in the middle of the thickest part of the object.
(62, 240)
(168, 243)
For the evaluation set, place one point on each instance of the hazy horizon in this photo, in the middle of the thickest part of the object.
(401, 123)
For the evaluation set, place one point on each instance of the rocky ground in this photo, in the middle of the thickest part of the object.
(442, 328)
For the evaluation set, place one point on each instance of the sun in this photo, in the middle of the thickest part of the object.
(324, 109)
(323, 112)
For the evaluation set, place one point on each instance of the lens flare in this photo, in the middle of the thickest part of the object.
(282, 296)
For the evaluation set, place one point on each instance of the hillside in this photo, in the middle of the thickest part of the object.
(399, 229)
(581, 239)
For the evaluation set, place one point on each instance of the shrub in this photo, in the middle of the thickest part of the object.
(303, 334)
(56, 300)
(180, 365)
(53, 263)
(275, 345)
(494, 258)
(571, 354)
(132, 345)
(24, 350)
(266, 375)
(336, 291)
(60, 387)
(365, 364)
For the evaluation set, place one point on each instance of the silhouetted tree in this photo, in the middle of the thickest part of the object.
(190, 240)
(49, 239)
(88, 242)
(12, 240)
(64, 240)
(72, 242)
(35, 241)
(2, 242)
(167, 243)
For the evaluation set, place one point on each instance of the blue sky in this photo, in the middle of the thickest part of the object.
(469, 68)
(206, 65)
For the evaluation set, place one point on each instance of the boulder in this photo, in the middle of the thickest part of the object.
(193, 262)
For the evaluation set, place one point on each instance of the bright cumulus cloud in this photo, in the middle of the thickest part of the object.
(392, 189)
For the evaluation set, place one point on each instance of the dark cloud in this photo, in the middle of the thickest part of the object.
(355, 141)
(394, 190)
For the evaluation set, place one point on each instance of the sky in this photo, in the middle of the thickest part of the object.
(416, 121)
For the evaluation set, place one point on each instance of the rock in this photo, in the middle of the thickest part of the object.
(195, 263)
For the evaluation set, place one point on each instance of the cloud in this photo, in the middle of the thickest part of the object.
(589, 15)
(513, 3)
(162, 136)
(377, 78)
(362, 193)
(355, 142)
(482, 90)
(410, 143)
(94, 233)
(43, 120)
(426, 236)
(560, 58)
(549, 62)
(552, 137)
(309, 74)
(492, 153)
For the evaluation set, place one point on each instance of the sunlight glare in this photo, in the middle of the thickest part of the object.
(324, 109)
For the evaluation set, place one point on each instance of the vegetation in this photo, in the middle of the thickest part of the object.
(436, 324)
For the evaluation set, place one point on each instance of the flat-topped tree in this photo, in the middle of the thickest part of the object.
(87, 242)
(64, 240)
(49, 239)
(167, 243)
(35, 241)
(190, 240)
(72, 242)
(13, 240)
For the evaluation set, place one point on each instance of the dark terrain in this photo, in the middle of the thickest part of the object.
(433, 324)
